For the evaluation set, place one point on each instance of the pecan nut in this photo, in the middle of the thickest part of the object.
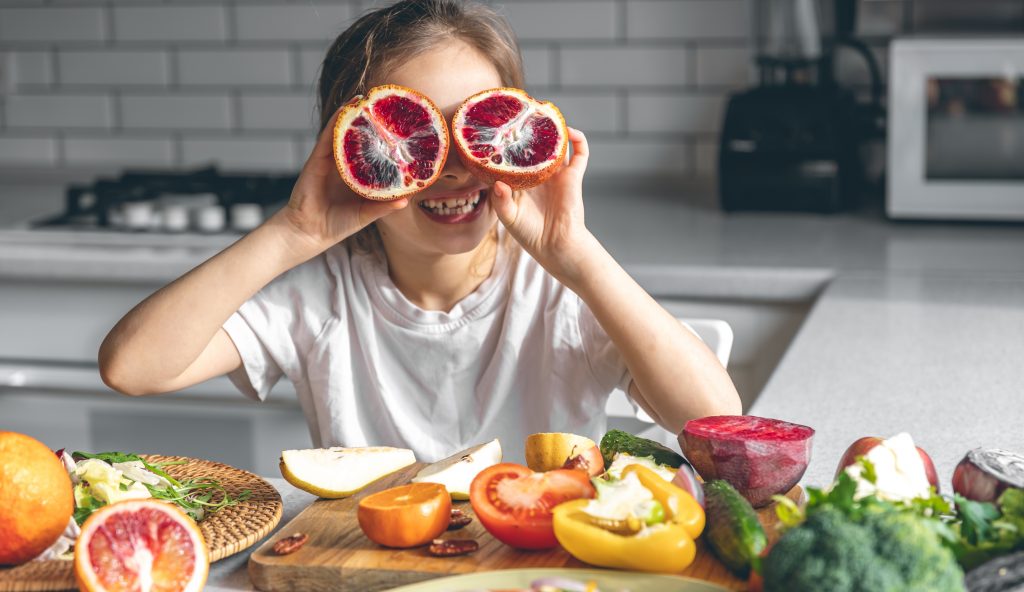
(290, 544)
(452, 547)
(459, 519)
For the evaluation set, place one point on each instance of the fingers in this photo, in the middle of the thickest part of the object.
(503, 203)
(580, 150)
(373, 210)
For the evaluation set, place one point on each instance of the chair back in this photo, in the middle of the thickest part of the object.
(623, 414)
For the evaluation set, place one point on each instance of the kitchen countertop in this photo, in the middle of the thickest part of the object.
(916, 326)
(938, 356)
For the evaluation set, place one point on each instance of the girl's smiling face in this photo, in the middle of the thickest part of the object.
(453, 215)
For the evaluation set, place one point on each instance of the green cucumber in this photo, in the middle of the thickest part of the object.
(733, 531)
(616, 441)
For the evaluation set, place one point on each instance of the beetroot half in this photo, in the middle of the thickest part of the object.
(758, 456)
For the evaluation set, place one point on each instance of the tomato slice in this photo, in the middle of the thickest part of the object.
(514, 504)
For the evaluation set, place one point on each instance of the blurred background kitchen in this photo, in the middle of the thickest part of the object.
(740, 164)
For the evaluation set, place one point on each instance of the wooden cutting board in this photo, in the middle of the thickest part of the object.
(338, 556)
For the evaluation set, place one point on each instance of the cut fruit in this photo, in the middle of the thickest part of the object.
(391, 143)
(547, 451)
(406, 516)
(457, 471)
(504, 134)
(141, 545)
(340, 472)
(760, 457)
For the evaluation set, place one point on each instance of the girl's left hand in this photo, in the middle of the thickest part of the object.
(547, 220)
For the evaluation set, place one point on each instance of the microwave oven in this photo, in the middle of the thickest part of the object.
(956, 129)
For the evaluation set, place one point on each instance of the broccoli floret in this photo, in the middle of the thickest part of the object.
(914, 550)
(890, 552)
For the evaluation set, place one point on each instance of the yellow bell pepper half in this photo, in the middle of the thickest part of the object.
(666, 548)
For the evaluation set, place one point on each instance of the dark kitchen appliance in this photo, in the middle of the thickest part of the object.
(202, 200)
(791, 143)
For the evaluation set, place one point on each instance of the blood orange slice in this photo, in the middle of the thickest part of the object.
(390, 143)
(504, 134)
(141, 545)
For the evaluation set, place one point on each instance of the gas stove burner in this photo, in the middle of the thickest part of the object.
(202, 200)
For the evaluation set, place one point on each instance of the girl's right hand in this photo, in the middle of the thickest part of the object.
(323, 210)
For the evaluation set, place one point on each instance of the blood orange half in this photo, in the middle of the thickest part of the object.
(390, 143)
(144, 545)
(504, 134)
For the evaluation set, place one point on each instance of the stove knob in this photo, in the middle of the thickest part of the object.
(138, 215)
(175, 217)
(246, 216)
(210, 219)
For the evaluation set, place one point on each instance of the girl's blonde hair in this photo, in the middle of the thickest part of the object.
(380, 40)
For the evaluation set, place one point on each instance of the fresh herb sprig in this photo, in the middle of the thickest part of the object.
(198, 497)
(985, 530)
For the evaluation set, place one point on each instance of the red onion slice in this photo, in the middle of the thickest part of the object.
(687, 480)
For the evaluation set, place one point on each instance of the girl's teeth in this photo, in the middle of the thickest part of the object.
(453, 206)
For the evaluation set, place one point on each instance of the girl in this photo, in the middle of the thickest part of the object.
(402, 327)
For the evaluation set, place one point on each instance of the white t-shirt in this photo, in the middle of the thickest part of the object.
(521, 354)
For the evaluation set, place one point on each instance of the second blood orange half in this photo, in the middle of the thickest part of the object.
(504, 134)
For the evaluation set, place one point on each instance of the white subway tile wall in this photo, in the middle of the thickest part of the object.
(181, 83)
(113, 67)
(118, 151)
(171, 110)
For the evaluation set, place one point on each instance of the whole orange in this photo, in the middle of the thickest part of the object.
(36, 500)
(406, 516)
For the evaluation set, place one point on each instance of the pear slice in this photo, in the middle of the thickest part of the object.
(339, 472)
(457, 471)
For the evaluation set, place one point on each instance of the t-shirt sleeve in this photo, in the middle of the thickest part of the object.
(258, 372)
(606, 362)
(276, 327)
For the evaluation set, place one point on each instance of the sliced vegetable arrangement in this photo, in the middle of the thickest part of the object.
(109, 477)
(633, 503)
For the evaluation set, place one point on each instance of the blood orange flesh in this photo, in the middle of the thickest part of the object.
(141, 545)
(506, 135)
(391, 143)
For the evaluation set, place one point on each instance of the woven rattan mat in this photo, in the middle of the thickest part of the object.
(227, 532)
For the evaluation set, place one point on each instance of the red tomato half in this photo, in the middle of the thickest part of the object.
(514, 503)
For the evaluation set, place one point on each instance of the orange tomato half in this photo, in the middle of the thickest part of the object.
(406, 516)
